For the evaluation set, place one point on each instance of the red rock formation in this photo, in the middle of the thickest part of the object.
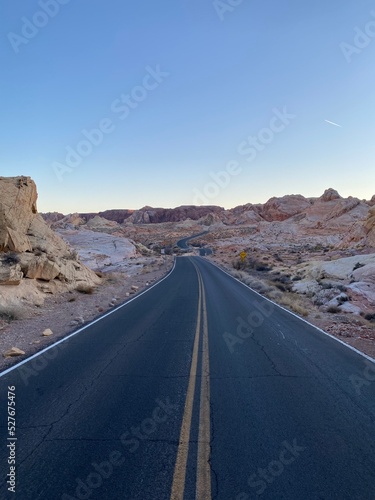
(279, 209)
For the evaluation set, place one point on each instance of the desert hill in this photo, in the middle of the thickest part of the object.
(329, 219)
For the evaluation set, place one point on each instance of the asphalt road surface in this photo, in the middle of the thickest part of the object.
(196, 389)
(184, 242)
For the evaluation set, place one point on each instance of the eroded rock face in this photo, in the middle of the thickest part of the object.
(369, 227)
(280, 209)
(29, 249)
(18, 197)
(329, 195)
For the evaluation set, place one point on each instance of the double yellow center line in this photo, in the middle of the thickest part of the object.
(203, 479)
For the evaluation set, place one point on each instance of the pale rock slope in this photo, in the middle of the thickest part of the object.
(99, 250)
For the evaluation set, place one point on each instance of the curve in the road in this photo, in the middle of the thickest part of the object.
(183, 244)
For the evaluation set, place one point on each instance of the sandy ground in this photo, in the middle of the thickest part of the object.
(65, 313)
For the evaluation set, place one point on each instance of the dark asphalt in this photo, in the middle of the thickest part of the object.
(292, 411)
(184, 242)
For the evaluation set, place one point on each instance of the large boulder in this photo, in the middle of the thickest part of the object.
(30, 250)
(42, 268)
(10, 274)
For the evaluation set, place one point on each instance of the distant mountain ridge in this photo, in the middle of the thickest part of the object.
(275, 209)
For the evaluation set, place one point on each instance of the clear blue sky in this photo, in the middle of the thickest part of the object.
(228, 69)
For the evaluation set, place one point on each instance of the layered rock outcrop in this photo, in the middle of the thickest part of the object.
(29, 249)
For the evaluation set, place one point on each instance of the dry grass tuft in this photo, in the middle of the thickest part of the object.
(86, 289)
(293, 303)
(12, 312)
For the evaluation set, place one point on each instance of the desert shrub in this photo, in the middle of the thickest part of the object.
(296, 278)
(258, 286)
(237, 264)
(342, 288)
(114, 277)
(370, 317)
(11, 312)
(333, 309)
(317, 301)
(72, 255)
(341, 300)
(299, 309)
(325, 286)
(281, 287)
(275, 295)
(292, 303)
(86, 289)
(262, 268)
(237, 274)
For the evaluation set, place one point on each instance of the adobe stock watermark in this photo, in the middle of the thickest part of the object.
(223, 7)
(245, 329)
(264, 477)
(32, 26)
(121, 107)
(365, 379)
(362, 39)
(131, 441)
(249, 149)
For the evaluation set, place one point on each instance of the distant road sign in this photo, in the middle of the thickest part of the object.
(243, 255)
(162, 251)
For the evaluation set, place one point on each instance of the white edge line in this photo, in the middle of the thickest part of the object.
(296, 315)
(86, 326)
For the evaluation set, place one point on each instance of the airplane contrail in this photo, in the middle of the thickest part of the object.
(332, 123)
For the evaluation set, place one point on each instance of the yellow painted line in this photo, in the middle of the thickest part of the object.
(179, 476)
(203, 478)
(203, 486)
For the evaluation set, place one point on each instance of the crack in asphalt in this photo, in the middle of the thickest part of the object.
(67, 411)
(272, 363)
(51, 426)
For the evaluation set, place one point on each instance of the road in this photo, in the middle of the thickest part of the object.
(183, 244)
(196, 389)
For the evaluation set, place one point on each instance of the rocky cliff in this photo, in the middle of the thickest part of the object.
(33, 258)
